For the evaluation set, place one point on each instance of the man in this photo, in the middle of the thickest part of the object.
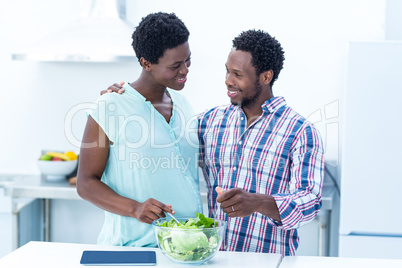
(263, 163)
(264, 160)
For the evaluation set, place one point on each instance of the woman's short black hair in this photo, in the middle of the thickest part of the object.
(266, 52)
(156, 33)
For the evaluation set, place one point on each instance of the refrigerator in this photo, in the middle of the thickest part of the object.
(371, 160)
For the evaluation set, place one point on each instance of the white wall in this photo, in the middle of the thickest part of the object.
(36, 96)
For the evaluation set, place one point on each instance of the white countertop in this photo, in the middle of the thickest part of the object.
(335, 262)
(36, 187)
(52, 255)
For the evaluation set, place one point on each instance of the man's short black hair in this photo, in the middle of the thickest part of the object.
(266, 52)
(156, 33)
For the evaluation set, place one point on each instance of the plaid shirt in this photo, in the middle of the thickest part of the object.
(279, 154)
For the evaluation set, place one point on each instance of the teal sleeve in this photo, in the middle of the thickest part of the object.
(103, 113)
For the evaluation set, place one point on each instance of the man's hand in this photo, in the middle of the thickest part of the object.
(151, 210)
(114, 88)
(237, 202)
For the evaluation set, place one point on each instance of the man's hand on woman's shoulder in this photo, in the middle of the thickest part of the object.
(118, 88)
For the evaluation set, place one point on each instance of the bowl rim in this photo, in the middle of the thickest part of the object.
(221, 224)
(62, 161)
(65, 162)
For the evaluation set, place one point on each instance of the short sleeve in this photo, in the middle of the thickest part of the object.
(103, 112)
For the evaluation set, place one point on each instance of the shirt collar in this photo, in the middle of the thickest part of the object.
(273, 104)
(133, 91)
(130, 89)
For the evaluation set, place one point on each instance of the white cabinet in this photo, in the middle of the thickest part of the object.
(75, 221)
(28, 221)
(39, 210)
(370, 247)
(5, 224)
(371, 218)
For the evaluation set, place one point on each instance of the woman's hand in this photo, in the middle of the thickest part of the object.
(151, 210)
(114, 88)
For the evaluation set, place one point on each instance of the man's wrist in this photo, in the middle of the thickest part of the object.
(267, 206)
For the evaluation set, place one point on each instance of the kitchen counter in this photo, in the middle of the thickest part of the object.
(25, 188)
(35, 186)
(50, 255)
(335, 262)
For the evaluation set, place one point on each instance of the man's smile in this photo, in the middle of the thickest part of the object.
(233, 93)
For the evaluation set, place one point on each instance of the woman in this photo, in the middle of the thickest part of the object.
(138, 157)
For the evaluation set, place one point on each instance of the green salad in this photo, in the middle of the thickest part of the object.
(191, 240)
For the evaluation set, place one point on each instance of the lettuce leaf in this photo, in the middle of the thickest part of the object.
(202, 221)
(189, 241)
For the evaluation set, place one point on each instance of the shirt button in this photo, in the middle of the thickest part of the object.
(242, 118)
(234, 169)
(240, 142)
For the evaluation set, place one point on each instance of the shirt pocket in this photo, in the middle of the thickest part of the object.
(270, 171)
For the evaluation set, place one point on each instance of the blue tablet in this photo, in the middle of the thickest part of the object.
(93, 257)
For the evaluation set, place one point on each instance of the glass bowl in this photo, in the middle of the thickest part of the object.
(189, 246)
